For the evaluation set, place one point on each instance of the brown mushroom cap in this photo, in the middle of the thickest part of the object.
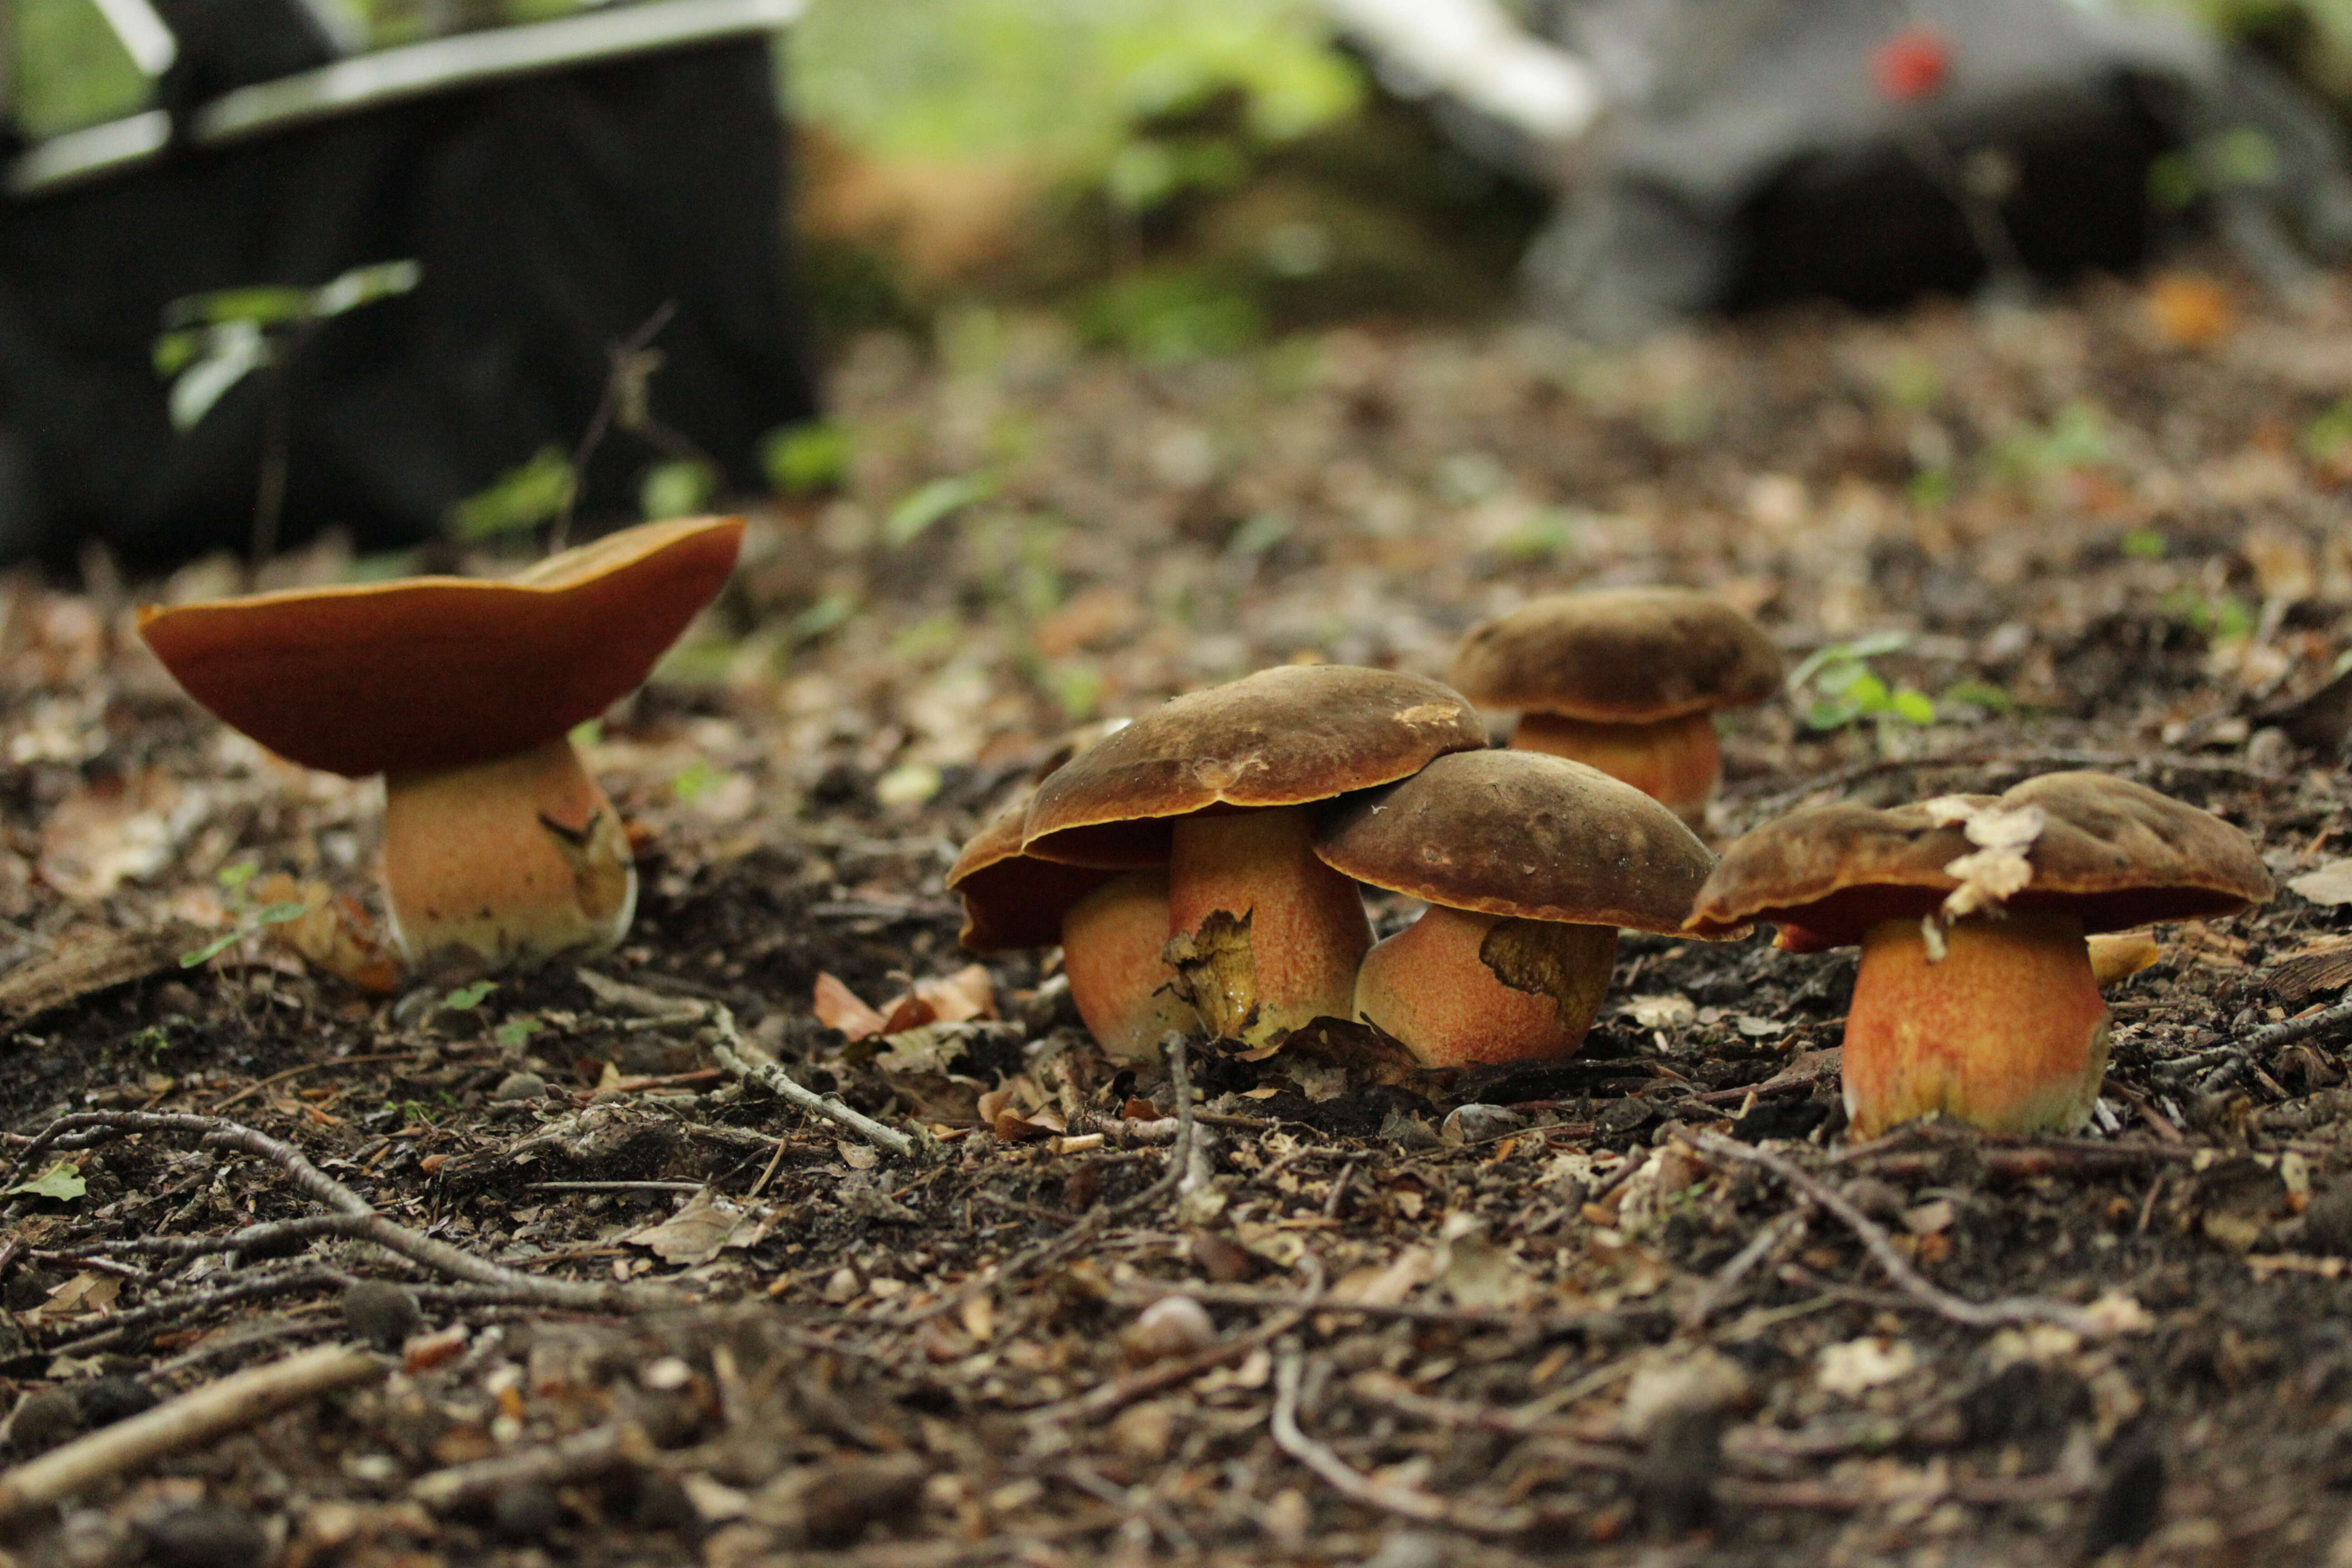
(2116, 853)
(1520, 833)
(439, 672)
(1288, 736)
(1627, 655)
(1011, 899)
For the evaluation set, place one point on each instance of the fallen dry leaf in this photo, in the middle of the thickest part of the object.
(960, 998)
(331, 934)
(692, 1235)
(2330, 885)
(839, 1007)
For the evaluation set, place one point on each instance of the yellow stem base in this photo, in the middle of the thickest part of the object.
(1433, 987)
(1111, 942)
(505, 862)
(1306, 925)
(2006, 1031)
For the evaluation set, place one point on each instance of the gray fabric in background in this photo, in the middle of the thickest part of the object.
(1749, 155)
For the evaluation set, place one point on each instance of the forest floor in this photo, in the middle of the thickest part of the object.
(1635, 1308)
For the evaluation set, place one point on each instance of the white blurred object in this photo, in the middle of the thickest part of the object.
(1473, 52)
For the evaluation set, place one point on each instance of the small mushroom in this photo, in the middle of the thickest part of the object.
(461, 691)
(1530, 864)
(1625, 679)
(1993, 1018)
(1112, 925)
(1219, 786)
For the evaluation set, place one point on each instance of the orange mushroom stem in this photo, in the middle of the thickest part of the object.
(1435, 987)
(2005, 1031)
(1676, 761)
(1111, 942)
(1308, 930)
(509, 861)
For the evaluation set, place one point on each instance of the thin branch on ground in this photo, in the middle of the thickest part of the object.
(2240, 1055)
(1615, 1322)
(1407, 1502)
(86, 1128)
(734, 1054)
(1718, 1290)
(581, 1455)
(1873, 1237)
(133, 1321)
(187, 1421)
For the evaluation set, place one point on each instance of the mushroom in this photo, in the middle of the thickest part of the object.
(1625, 679)
(1530, 864)
(1112, 925)
(462, 691)
(1218, 786)
(1977, 996)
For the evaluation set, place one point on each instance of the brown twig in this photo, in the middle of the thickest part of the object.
(1408, 1502)
(86, 1128)
(1917, 1286)
(278, 1078)
(738, 1059)
(187, 1421)
(582, 1454)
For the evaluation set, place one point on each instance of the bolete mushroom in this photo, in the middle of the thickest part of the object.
(1627, 681)
(1977, 996)
(1112, 925)
(462, 691)
(1218, 784)
(1530, 865)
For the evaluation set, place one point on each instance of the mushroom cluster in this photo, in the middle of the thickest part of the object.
(499, 848)
(1204, 862)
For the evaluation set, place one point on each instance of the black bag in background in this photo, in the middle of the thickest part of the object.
(552, 217)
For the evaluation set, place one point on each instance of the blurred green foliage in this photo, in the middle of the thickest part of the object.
(1060, 82)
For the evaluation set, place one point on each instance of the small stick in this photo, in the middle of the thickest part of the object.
(1099, 1402)
(582, 1454)
(1959, 1309)
(85, 1129)
(1410, 1502)
(2237, 1055)
(184, 1421)
(1718, 1289)
(1405, 1311)
(276, 1078)
(738, 1058)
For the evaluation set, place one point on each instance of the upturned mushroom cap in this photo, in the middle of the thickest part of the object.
(1288, 736)
(1520, 833)
(2115, 853)
(1011, 899)
(1630, 656)
(439, 672)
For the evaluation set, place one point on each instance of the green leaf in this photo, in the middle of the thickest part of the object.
(1913, 705)
(236, 877)
(467, 996)
(523, 497)
(210, 950)
(515, 1031)
(1867, 692)
(802, 459)
(697, 779)
(2143, 544)
(927, 504)
(1830, 715)
(675, 489)
(278, 914)
(1979, 694)
(60, 1181)
(824, 616)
